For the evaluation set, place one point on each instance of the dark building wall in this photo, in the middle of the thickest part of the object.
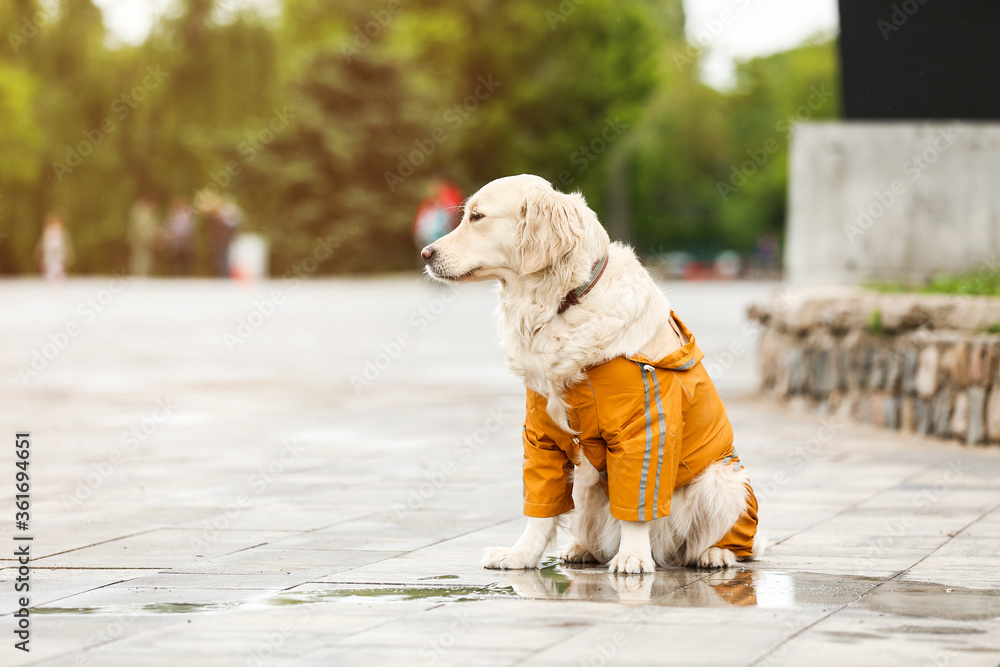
(920, 59)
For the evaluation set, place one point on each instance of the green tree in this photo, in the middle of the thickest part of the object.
(325, 173)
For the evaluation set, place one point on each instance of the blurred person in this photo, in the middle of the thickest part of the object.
(143, 235)
(54, 252)
(766, 254)
(224, 217)
(179, 237)
(438, 213)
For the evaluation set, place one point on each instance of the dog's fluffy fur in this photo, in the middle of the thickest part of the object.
(540, 244)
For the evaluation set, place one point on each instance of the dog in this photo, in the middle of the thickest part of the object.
(623, 423)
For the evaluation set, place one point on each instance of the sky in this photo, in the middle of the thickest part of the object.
(130, 20)
(730, 30)
(736, 30)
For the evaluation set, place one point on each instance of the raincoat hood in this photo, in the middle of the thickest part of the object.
(682, 358)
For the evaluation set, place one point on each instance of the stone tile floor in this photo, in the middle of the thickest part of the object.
(314, 486)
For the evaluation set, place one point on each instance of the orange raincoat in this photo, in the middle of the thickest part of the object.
(649, 426)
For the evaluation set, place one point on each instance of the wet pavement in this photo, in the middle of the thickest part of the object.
(305, 475)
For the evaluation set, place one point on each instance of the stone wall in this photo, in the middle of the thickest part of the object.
(924, 364)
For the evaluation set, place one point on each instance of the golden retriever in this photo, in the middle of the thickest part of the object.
(543, 246)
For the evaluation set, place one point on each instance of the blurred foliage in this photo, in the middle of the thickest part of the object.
(974, 284)
(985, 282)
(329, 121)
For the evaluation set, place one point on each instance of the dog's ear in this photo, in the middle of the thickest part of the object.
(551, 226)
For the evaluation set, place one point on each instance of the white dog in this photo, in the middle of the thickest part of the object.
(614, 388)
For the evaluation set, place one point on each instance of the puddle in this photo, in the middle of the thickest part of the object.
(671, 587)
(161, 608)
(932, 630)
(443, 593)
(933, 601)
(767, 589)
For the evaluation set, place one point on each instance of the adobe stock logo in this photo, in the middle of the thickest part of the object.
(453, 119)
(31, 25)
(363, 35)
(901, 13)
(121, 109)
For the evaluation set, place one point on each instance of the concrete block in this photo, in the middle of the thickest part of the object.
(840, 232)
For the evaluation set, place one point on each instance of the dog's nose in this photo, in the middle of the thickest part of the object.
(427, 253)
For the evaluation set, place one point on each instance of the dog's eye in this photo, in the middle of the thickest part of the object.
(476, 215)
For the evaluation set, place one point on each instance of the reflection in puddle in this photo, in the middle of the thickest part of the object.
(161, 608)
(677, 587)
(669, 587)
(450, 593)
(681, 587)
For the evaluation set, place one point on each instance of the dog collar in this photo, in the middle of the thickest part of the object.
(574, 297)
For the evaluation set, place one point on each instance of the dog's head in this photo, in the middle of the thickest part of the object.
(514, 227)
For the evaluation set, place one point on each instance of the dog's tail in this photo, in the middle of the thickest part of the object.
(759, 545)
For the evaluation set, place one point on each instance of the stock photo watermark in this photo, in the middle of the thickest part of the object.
(718, 363)
(922, 502)
(586, 154)
(262, 310)
(32, 25)
(362, 36)
(566, 9)
(462, 451)
(710, 31)
(901, 13)
(273, 642)
(40, 358)
(797, 458)
(419, 321)
(121, 109)
(453, 118)
(444, 640)
(265, 308)
(251, 146)
(258, 482)
(758, 157)
(912, 170)
(131, 440)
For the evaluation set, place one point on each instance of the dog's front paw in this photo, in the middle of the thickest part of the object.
(504, 558)
(715, 557)
(575, 553)
(631, 564)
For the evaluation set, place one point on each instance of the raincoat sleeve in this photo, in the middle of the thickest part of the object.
(548, 470)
